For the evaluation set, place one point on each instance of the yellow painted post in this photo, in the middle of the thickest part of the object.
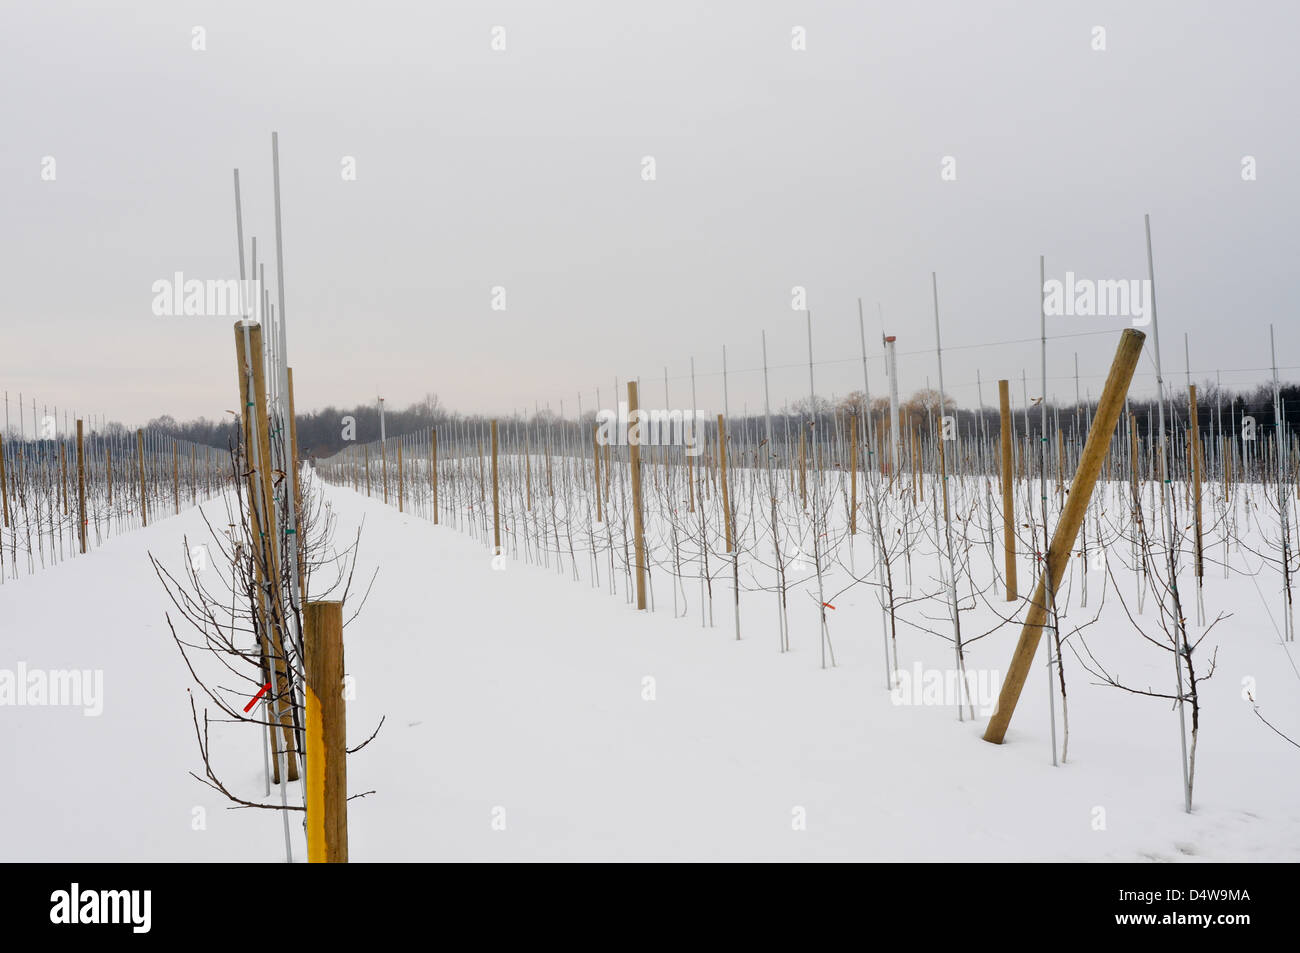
(326, 728)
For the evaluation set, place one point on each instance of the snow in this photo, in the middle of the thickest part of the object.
(519, 694)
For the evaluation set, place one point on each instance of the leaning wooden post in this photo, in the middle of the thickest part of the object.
(722, 467)
(139, 448)
(634, 464)
(327, 768)
(1008, 496)
(496, 497)
(1067, 528)
(81, 488)
(1195, 447)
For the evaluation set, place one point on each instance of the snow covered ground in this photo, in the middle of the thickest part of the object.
(518, 728)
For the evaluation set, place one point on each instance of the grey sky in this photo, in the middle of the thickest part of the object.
(522, 168)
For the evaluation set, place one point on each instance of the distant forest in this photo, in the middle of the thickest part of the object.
(321, 432)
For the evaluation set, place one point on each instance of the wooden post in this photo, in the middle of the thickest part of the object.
(365, 453)
(248, 436)
(496, 497)
(722, 467)
(383, 466)
(326, 717)
(401, 482)
(63, 466)
(433, 469)
(1194, 446)
(634, 463)
(176, 479)
(139, 446)
(263, 527)
(108, 468)
(1067, 528)
(81, 488)
(1008, 496)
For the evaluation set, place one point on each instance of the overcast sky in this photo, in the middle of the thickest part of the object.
(523, 169)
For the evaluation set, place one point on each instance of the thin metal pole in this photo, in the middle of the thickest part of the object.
(1180, 637)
